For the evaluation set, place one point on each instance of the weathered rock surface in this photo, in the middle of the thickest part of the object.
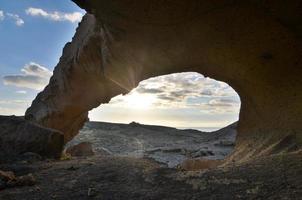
(166, 145)
(254, 46)
(19, 136)
(81, 149)
(119, 178)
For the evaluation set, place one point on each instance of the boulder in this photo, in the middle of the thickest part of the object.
(18, 136)
(81, 149)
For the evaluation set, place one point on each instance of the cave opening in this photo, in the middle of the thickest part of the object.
(169, 118)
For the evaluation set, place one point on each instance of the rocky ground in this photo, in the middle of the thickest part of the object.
(110, 178)
(134, 161)
(166, 145)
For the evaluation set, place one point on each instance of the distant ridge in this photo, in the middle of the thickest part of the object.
(156, 127)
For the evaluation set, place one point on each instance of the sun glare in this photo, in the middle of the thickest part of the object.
(139, 101)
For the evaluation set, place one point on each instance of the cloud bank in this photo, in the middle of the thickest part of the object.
(55, 16)
(34, 76)
(185, 90)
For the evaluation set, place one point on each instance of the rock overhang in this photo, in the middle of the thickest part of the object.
(254, 46)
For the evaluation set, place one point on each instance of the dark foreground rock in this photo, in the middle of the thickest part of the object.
(19, 136)
(121, 178)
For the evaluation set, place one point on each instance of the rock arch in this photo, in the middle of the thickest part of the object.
(254, 46)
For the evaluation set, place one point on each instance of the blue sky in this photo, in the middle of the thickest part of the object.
(32, 36)
(37, 39)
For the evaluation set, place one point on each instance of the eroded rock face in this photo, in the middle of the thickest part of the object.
(18, 136)
(255, 46)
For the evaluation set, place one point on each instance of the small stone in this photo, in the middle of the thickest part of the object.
(91, 192)
(38, 189)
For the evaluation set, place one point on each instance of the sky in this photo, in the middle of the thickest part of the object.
(32, 36)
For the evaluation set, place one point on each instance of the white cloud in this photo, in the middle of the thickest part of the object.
(55, 16)
(34, 77)
(182, 90)
(35, 69)
(18, 20)
(1, 15)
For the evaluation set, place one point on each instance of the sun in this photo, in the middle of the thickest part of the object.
(139, 101)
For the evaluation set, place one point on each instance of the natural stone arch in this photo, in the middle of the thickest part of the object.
(253, 46)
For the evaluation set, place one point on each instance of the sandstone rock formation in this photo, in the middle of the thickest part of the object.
(254, 46)
(18, 136)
